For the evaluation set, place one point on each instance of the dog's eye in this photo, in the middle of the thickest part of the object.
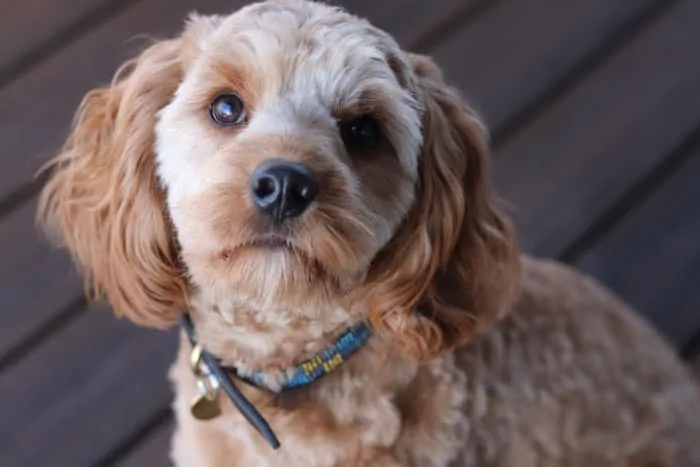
(360, 133)
(228, 110)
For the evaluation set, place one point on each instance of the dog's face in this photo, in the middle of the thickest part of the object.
(289, 154)
(286, 160)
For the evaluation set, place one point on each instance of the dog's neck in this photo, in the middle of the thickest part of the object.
(368, 403)
(268, 341)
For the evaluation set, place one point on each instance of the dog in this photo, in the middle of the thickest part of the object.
(287, 175)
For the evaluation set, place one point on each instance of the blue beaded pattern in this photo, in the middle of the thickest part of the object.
(323, 363)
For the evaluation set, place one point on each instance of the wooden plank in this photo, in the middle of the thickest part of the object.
(91, 382)
(566, 168)
(409, 20)
(652, 256)
(28, 24)
(516, 50)
(35, 282)
(93, 59)
(154, 451)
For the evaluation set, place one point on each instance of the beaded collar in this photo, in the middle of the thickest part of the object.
(318, 366)
(211, 376)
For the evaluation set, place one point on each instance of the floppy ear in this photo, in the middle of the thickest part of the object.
(453, 269)
(102, 201)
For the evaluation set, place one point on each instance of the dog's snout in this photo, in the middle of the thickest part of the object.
(283, 190)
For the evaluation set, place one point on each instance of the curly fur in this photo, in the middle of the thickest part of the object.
(479, 356)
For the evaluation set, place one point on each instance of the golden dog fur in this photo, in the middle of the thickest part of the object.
(479, 356)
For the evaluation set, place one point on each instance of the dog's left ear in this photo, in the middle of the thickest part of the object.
(102, 201)
(453, 268)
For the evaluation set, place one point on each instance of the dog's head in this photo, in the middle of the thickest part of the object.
(289, 158)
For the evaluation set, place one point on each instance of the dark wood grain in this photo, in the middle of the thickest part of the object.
(652, 256)
(408, 21)
(36, 283)
(89, 384)
(516, 50)
(565, 169)
(26, 25)
(153, 451)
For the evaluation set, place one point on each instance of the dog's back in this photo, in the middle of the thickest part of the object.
(573, 377)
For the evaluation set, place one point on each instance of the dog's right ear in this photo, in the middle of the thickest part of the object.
(103, 202)
(453, 269)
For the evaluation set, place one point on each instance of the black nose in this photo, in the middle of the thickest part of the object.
(282, 189)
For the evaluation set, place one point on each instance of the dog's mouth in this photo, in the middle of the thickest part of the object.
(314, 268)
(273, 243)
(268, 243)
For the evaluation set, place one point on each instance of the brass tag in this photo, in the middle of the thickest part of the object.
(205, 405)
(203, 408)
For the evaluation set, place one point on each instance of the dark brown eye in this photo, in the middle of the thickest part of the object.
(361, 133)
(228, 110)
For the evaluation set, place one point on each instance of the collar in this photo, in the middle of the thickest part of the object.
(317, 366)
(211, 375)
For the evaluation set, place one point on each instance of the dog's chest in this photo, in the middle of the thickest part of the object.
(410, 416)
(422, 425)
(355, 433)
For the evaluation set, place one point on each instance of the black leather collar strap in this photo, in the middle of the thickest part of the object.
(243, 405)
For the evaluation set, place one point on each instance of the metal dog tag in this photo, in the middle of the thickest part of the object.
(205, 405)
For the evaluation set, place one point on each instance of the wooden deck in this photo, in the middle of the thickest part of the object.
(595, 111)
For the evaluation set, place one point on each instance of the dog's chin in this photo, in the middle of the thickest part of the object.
(276, 267)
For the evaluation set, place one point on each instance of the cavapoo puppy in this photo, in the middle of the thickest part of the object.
(318, 201)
